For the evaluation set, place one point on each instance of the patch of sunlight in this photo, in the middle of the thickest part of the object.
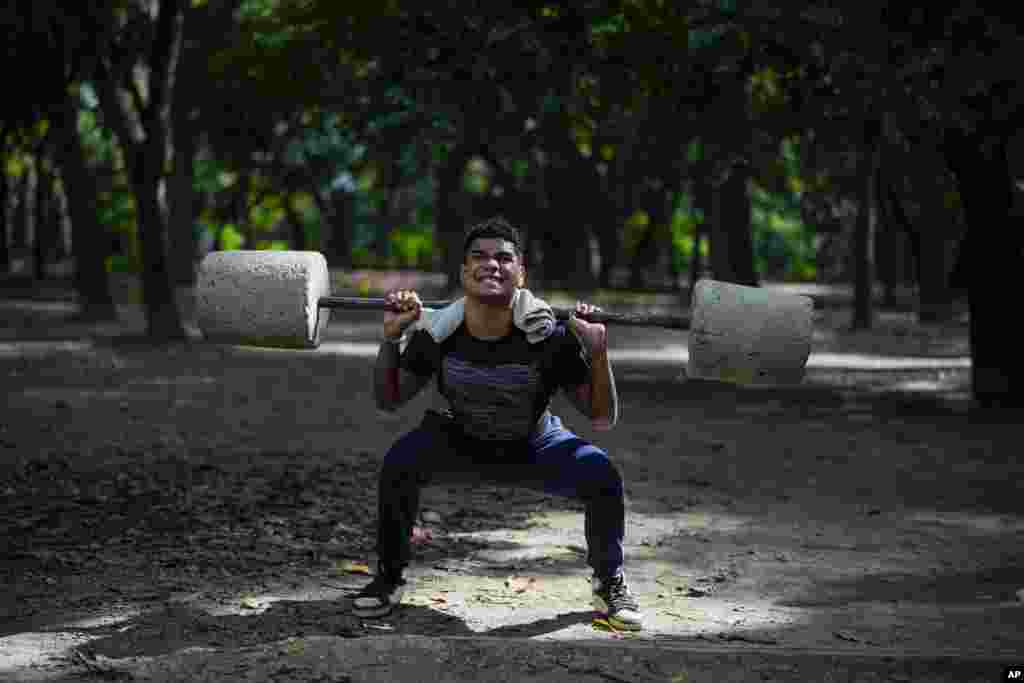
(251, 604)
(922, 385)
(952, 387)
(861, 361)
(985, 524)
(686, 616)
(559, 536)
(104, 620)
(26, 656)
(24, 349)
(357, 349)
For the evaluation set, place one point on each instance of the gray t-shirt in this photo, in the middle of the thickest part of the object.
(498, 390)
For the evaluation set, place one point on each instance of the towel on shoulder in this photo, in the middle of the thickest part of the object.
(530, 313)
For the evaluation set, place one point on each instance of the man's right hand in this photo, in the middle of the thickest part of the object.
(403, 309)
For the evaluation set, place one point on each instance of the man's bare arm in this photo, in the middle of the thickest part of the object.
(597, 399)
(393, 387)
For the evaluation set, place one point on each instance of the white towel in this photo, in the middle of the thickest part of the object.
(530, 314)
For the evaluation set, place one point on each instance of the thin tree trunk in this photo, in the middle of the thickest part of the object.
(182, 238)
(162, 316)
(671, 205)
(737, 212)
(5, 195)
(240, 208)
(296, 225)
(449, 228)
(703, 194)
(895, 215)
(864, 234)
(336, 213)
(387, 210)
(88, 248)
(60, 220)
(41, 239)
(981, 166)
(23, 227)
(732, 245)
(935, 300)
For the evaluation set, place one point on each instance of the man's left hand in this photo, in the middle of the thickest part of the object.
(593, 335)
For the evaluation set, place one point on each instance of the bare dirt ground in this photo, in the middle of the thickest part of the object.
(192, 498)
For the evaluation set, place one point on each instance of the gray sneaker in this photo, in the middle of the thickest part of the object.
(612, 598)
(379, 597)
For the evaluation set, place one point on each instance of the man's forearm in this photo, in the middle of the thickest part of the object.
(604, 402)
(385, 377)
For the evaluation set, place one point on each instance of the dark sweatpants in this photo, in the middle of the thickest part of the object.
(556, 461)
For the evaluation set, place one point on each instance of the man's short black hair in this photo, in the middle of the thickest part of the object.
(496, 227)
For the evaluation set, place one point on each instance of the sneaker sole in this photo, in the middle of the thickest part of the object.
(602, 607)
(370, 612)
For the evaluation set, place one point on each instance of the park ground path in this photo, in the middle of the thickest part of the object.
(191, 512)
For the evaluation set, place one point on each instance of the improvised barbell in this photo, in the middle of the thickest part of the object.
(282, 299)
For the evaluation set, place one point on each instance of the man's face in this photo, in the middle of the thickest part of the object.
(492, 271)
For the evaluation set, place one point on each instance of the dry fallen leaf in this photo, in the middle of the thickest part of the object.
(421, 535)
(350, 567)
(250, 602)
(601, 624)
(520, 584)
(495, 599)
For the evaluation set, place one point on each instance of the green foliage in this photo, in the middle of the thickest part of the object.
(273, 245)
(685, 220)
(230, 237)
(362, 257)
(783, 247)
(412, 246)
(121, 263)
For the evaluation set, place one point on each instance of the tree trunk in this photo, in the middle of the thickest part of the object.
(567, 239)
(296, 225)
(144, 135)
(182, 236)
(935, 297)
(336, 212)
(88, 247)
(240, 208)
(732, 244)
(935, 300)
(5, 195)
(61, 222)
(575, 185)
(42, 239)
(905, 266)
(980, 164)
(671, 205)
(703, 197)
(163, 321)
(387, 210)
(649, 263)
(864, 234)
(450, 229)
(23, 224)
